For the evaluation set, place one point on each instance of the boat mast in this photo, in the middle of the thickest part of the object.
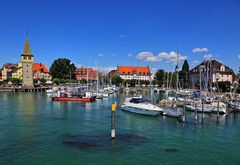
(177, 77)
(87, 79)
(200, 82)
(97, 77)
(138, 79)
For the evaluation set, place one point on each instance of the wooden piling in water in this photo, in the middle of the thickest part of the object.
(202, 109)
(184, 110)
(218, 111)
(196, 112)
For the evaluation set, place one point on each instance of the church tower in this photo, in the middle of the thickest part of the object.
(27, 65)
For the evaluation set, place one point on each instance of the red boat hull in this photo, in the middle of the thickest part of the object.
(91, 99)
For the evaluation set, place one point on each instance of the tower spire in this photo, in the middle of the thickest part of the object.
(27, 50)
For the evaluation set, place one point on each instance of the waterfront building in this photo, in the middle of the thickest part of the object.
(27, 59)
(81, 73)
(134, 72)
(212, 71)
(41, 71)
(9, 71)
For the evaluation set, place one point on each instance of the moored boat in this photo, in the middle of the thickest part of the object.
(87, 97)
(141, 106)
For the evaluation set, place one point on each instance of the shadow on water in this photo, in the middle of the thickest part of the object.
(171, 150)
(103, 141)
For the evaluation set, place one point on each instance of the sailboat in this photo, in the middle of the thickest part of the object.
(99, 95)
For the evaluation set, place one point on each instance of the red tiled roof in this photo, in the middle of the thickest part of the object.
(40, 67)
(9, 65)
(143, 70)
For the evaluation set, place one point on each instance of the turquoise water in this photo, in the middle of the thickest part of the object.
(35, 130)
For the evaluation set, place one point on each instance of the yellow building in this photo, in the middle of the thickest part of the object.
(17, 72)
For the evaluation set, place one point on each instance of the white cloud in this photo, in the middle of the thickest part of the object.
(129, 54)
(239, 56)
(170, 57)
(79, 65)
(207, 56)
(200, 50)
(105, 69)
(144, 55)
(122, 36)
(100, 54)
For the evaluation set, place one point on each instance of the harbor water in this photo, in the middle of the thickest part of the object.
(35, 130)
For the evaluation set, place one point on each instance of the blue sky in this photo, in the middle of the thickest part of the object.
(123, 32)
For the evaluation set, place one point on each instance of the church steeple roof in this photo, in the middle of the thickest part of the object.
(27, 51)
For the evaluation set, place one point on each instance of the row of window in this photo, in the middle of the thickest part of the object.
(136, 73)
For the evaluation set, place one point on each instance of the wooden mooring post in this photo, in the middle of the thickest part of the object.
(196, 115)
(113, 131)
(218, 111)
(184, 112)
(202, 110)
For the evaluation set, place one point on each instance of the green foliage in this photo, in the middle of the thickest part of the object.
(145, 82)
(15, 81)
(159, 77)
(39, 81)
(58, 81)
(131, 83)
(62, 68)
(35, 81)
(185, 67)
(43, 81)
(184, 75)
(224, 86)
(83, 81)
(116, 80)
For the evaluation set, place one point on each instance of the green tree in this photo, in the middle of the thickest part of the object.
(116, 80)
(224, 86)
(83, 81)
(16, 81)
(43, 81)
(62, 68)
(56, 81)
(184, 75)
(159, 77)
(185, 67)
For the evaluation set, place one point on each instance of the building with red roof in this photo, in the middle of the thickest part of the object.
(134, 72)
(41, 71)
(81, 73)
